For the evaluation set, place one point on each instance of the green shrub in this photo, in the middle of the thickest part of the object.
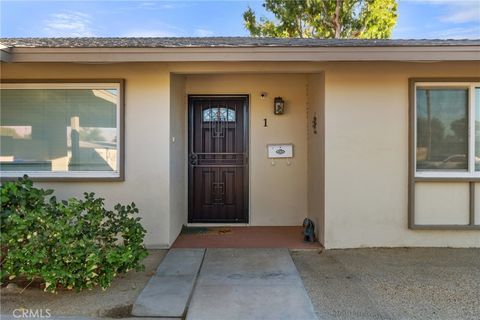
(75, 244)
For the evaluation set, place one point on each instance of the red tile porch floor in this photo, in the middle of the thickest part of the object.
(243, 237)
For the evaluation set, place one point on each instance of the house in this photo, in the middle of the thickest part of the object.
(377, 141)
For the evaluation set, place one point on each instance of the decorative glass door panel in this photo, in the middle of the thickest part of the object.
(218, 161)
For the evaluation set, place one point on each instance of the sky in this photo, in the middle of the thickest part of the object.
(417, 19)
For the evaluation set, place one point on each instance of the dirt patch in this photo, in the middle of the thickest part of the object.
(115, 302)
(118, 312)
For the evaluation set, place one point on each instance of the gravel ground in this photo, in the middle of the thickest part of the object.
(113, 302)
(406, 283)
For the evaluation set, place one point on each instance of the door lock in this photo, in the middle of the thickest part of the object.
(193, 159)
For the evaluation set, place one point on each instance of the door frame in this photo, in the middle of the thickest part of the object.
(246, 175)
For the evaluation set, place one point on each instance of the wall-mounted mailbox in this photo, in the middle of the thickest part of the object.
(280, 150)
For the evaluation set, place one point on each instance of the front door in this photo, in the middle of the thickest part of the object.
(218, 159)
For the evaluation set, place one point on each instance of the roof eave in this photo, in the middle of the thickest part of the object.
(225, 54)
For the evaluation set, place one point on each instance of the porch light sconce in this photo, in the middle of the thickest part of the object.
(278, 105)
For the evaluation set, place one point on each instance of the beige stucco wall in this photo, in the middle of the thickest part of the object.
(155, 112)
(178, 155)
(316, 147)
(278, 193)
(366, 157)
(366, 145)
(147, 134)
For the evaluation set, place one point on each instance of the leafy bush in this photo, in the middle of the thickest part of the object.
(73, 244)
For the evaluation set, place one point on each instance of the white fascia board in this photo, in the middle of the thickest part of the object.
(99, 55)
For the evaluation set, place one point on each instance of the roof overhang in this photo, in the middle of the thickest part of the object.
(225, 54)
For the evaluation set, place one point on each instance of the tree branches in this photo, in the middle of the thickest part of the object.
(373, 19)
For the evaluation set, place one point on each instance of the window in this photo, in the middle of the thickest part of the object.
(447, 129)
(219, 114)
(69, 130)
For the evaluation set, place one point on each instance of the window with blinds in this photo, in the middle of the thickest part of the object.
(60, 130)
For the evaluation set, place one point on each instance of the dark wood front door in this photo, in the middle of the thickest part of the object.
(218, 159)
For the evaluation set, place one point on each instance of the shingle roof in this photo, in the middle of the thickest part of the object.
(219, 42)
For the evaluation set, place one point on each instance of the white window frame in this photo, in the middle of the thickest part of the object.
(470, 173)
(117, 174)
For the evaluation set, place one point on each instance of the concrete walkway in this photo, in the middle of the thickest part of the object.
(232, 284)
(168, 292)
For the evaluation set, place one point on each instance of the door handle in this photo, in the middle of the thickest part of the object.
(193, 159)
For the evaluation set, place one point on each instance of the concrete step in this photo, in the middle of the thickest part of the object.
(168, 292)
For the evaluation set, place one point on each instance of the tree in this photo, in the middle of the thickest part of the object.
(91, 134)
(363, 19)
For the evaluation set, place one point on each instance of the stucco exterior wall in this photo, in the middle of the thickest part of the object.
(178, 155)
(278, 193)
(316, 147)
(147, 134)
(366, 158)
(365, 154)
(155, 166)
